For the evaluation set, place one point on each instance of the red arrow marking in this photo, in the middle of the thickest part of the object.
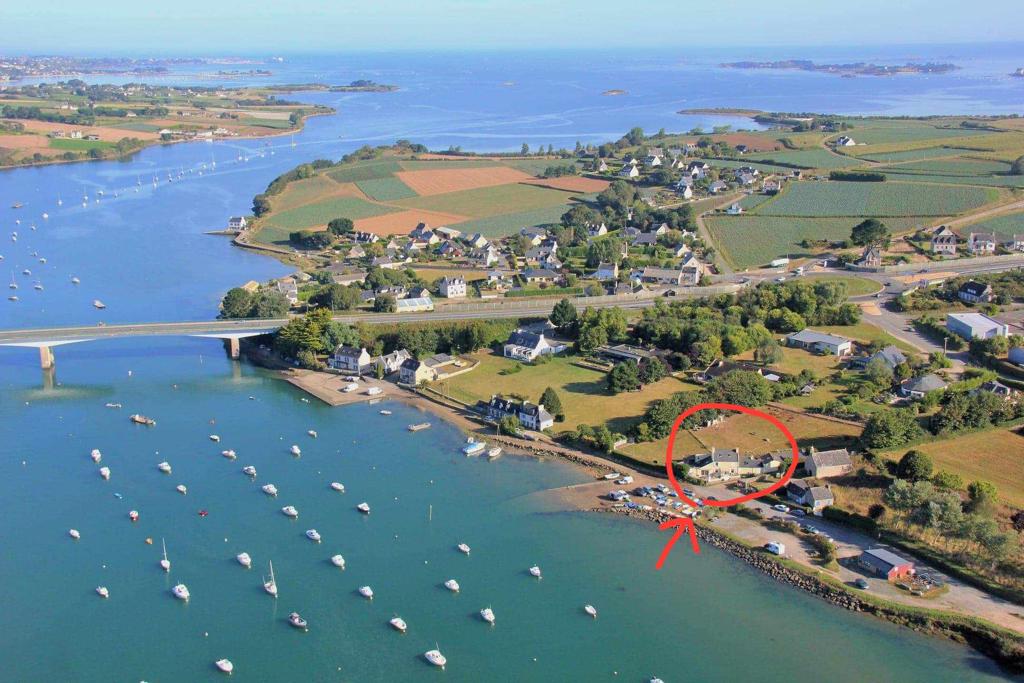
(682, 524)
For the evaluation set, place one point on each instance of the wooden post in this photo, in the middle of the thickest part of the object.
(233, 347)
(45, 357)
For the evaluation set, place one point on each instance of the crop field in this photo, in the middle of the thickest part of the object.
(759, 165)
(69, 145)
(308, 190)
(489, 201)
(951, 167)
(986, 181)
(809, 158)
(752, 200)
(536, 166)
(508, 223)
(435, 164)
(138, 127)
(446, 181)
(385, 189)
(754, 240)
(367, 170)
(402, 222)
(908, 131)
(914, 154)
(875, 199)
(1010, 224)
(319, 213)
(571, 184)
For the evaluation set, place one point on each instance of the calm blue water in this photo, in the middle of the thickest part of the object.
(700, 618)
(144, 254)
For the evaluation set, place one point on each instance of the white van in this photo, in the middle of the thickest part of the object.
(775, 548)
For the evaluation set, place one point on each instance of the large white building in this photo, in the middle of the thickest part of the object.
(975, 326)
(453, 287)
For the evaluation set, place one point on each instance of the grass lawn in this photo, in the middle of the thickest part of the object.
(867, 333)
(385, 189)
(992, 455)
(581, 390)
(855, 286)
(319, 213)
(809, 158)
(484, 202)
(70, 145)
(875, 199)
(365, 170)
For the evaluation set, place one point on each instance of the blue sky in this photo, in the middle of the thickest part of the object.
(258, 26)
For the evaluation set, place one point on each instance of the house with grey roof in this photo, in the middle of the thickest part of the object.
(820, 342)
(802, 492)
(916, 387)
(526, 346)
(974, 292)
(392, 362)
(530, 415)
(890, 355)
(825, 464)
(350, 359)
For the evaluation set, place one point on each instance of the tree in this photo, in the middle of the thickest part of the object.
(1017, 167)
(915, 466)
(590, 338)
(652, 370)
(580, 216)
(341, 226)
(948, 481)
(509, 425)
(563, 315)
(981, 497)
(336, 297)
(385, 303)
(742, 387)
(879, 373)
(237, 303)
(768, 352)
(624, 377)
(270, 304)
(891, 428)
(826, 548)
(549, 399)
(870, 231)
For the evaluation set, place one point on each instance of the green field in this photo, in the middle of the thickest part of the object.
(754, 240)
(385, 189)
(752, 200)
(490, 201)
(760, 166)
(279, 124)
(508, 223)
(875, 199)
(914, 154)
(69, 145)
(907, 131)
(536, 166)
(140, 127)
(808, 158)
(1010, 224)
(855, 286)
(319, 213)
(364, 170)
(304, 191)
(951, 167)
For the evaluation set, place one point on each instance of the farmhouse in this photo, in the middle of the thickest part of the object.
(1015, 243)
(944, 241)
(607, 271)
(890, 355)
(697, 169)
(734, 210)
(530, 415)
(820, 342)
(975, 326)
(917, 387)
(981, 243)
(629, 171)
(825, 464)
(885, 563)
(715, 465)
(871, 257)
(531, 275)
(597, 229)
(974, 292)
(717, 186)
(350, 359)
(845, 141)
(453, 287)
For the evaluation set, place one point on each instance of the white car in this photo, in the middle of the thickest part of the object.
(625, 480)
(781, 508)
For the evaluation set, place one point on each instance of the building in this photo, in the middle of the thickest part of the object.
(724, 367)
(392, 362)
(531, 275)
(417, 305)
(916, 387)
(871, 257)
(629, 171)
(885, 563)
(453, 287)
(974, 292)
(815, 497)
(662, 276)
(1016, 356)
(716, 465)
(734, 210)
(845, 141)
(237, 223)
(975, 326)
(717, 186)
(622, 352)
(944, 241)
(414, 372)
(997, 388)
(350, 359)
(597, 229)
(820, 342)
(344, 276)
(289, 289)
(1015, 243)
(367, 237)
(697, 169)
(981, 243)
(685, 191)
(825, 464)
(890, 355)
(607, 271)
(530, 415)
(527, 346)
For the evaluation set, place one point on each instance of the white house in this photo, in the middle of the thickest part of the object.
(975, 326)
(734, 210)
(453, 287)
(530, 415)
(944, 241)
(350, 359)
(237, 223)
(416, 305)
(845, 141)
(629, 171)
(974, 292)
(392, 362)
(527, 346)
(607, 271)
(821, 342)
(982, 243)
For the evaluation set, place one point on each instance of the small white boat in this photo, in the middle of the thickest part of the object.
(244, 560)
(75, 281)
(290, 511)
(487, 614)
(350, 387)
(313, 535)
(398, 623)
(312, 433)
(494, 452)
(297, 621)
(38, 286)
(181, 592)
(374, 391)
(338, 486)
(270, 585)
(214, 438)
(474, 448)
(535, 571)
(249, 471)
(463, 548)
(73, 533)
(295, 450)
(366, 592)
(656, 680)
(105, 472)
(452, 585)
(269, 489)
(225, 665)
(102, 591)
(364, 508)
(96, 455)
(338, 561)
(133, 515)
(164, 467)
(45, 215)
(182, 489)
(418, 427)
(13, 297)
(165, 564)
(385, 412)
(113, 405)
(435, 657)
(591, 610)
(98, 304)
(229, 454)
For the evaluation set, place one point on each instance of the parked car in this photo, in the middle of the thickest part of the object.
(781, 508)
(797, 512)
(861, 583)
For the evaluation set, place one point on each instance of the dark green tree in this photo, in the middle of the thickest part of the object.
(237, 303)
(623, 377)
(341, 226)
(563, 315)
(870, 231)
(549, 399)
(915, 466)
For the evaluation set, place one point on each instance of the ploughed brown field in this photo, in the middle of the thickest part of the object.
(402, 222)
(106, 134)
(444, 180)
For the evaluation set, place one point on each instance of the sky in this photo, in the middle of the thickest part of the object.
(283, 26)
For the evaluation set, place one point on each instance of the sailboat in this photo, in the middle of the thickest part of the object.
(271, 585)
(60, 202)
(14, 284)
(165, 564)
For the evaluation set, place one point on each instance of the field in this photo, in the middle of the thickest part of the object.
(572, 184)
(1010, 224)
(504, 224)
(992, 455)
(450, 180)
(581, 390)
(309, 190)
(489, 201)
(434, 164)
(855, 286)
(809, 158)
(319, 213)
(364, 170)
(402, 222)
(754, 240)
(951, 167)
(914, 154)
(69, 145)
(878, 132)
(385, 189)
(875, 199)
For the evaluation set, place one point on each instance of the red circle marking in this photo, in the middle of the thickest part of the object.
(741, 409)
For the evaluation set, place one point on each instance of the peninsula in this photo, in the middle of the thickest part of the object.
(851, 69)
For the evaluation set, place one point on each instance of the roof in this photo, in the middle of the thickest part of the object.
(521, 337)
(974, 320)
(539, 272)
(809, 336)
(834, 458)
(890, 355)
(349, 352)
(975, 288)
(438, 359)
(925, 383)
(716, 456)
(666, 273)
(885, 557)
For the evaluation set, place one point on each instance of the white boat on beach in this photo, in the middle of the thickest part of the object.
(338, 561)
(225, 665)
(96, 455)
(73, 533)
(165, 564)
(494, 452)
(535, 571)
(182, 489)
(313, 535)
(269, 489)
(164, 467)
(463, 548)
(366, 592)
(105, 472)
(487, 614)
(181, 592)
(244, 560)
(591, 610)
(249, 470)
(102, 592)
(364, 508)
(398, 623)
(338, 486)
(290, 511)
(295, 450)
(270, 585)
(452, 585)
(435, 657)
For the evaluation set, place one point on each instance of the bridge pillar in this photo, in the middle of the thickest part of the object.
(234, 348)
(46, 359)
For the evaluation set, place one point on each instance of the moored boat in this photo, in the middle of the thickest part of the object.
(214, 438)
(398, 623)
(452, 585)
(296, 620)
(269, 489)
(313, 535)
(270, 585)
(535, 571)
(182, 489)
(165, 564)
(73, 533)
(338, 561)
(225, 665)
(96, 455)
(312, 433)
(98, 304)
(164, 467)
(295, 450)
(181, 592)
(249, 470)
(463, 548)
(494, 452)
(244, 560)
(102, 591)
(385, 412)
(364, 508)
(133, 515)
(366, 592)
(105, 472)
(435, 657)
(338, 486)
(419, 426)
(474, 448)
(487, 614)
(591, 610)
(290, 511)
(229, 454)
(142, 420)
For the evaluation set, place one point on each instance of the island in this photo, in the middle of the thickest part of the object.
(1019, 73)
(354, 86)
(851, 69)
(614, 92)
